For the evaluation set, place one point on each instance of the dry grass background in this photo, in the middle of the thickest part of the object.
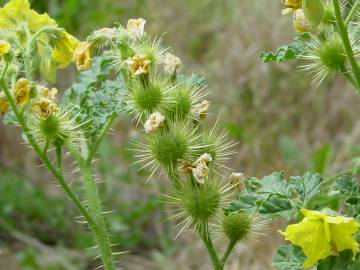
(222, 39)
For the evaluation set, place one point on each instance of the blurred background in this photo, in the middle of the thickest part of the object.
(279, 119)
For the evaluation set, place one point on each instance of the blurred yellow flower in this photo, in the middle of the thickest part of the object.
(22, 91)
(5, 47)
(82, 56)
(301, 23)
(138, 64)
(290, 6)
(4, 104)
(49, 93)
(65, 47)
(45, 107)
(321, 235)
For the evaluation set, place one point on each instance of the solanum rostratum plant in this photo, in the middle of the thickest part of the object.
(124, 72)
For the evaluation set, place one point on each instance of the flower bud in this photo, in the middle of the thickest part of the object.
(236, 180)
(314, 11)
(5, 47)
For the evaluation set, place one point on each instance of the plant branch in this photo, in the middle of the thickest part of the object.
(352, 13)
(204, 234)
(346, 41)
(228, 251)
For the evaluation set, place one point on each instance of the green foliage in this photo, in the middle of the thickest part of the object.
(289, 257)
(294, 50)
(274, 195)
(95, 96)
(344, 261)
(350, 189)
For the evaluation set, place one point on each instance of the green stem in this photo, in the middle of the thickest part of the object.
(348, 76)
(347, 44)
(94, 205)
(227, 253)
(101, 136)
(94, 216)
(204, 234)
(352, 13)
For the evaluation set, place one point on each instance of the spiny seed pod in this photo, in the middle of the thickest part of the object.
(201, 202)
(314, 11)
(237, 226)
(142, 101)
(154, 50)
(332, 54)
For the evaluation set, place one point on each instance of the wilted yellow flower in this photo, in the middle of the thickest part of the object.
(82, 56)
(200, 110)
(301, 23)
(155, 120)
(49, 93)
(171, 63)
(45, 107)
(321, 235)
(136, 27)
(22, 91)
(138, 64)
(200, 168)
(5, 47)
(290, 6)
(4, 104)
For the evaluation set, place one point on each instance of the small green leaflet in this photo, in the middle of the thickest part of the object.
(344, 261)
(289, 257)
(350, 190)
(291, 51)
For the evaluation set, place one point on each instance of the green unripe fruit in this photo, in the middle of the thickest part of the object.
(51, 129)
(180, 106)
(332, 54)
(147, 99)
(237, 226)
(168, 147)
(314, 11)
(201, 202)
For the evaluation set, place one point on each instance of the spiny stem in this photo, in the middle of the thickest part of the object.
(94, 216)
(347, 44)
(204, 234)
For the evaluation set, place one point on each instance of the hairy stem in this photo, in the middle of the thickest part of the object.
(204, 234)
(94, 216)
(95, 209)
(346, 41)
(228, 251)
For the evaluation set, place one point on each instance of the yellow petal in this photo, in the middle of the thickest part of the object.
(64, 49)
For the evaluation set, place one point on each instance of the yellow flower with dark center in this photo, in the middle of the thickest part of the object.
(82, 56)
(5, 47)
(138, 64)
(22, 91)
(45, 107)
(4, 104)
(321, 235)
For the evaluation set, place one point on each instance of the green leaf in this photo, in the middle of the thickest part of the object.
(320, 158)
(276, 205)
(344, 261)
(289, 257)
(306, 186)
(96, 96)
(294, 50)
(350, 190)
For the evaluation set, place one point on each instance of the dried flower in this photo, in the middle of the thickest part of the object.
(171, 63)
(138, 64)
(82, 56)
(200, 110)
(236, 181)
(22, 91)
(301, 23)
(136, 27)
(4, 104)
(200, 169)
(45, 107)
(50, 94)
(5, 47)
(155, 120)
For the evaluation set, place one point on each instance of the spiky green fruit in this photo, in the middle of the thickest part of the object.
(332, 54)
(182, 99)
(237, 226)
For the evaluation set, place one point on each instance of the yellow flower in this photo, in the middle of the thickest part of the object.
(5, 47)
(16, 11)
(65, 47)
(22, 91)
(82, 56)
(136, 27)
(4, 104)
(290, 6)
(138, 64)
(45, 107)
(321, 235)
(301, 23)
